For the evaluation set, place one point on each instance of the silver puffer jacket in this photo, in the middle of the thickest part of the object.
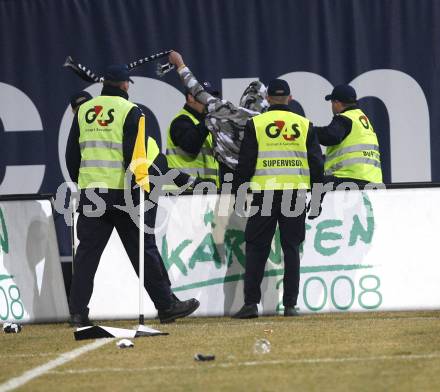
(226, 121)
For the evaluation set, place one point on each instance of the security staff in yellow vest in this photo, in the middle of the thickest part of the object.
(352, 153)
(189, 143)
(280, 154)
(99, 151)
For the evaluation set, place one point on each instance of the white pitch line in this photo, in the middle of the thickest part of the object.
(28, 355)
(40, 370)
(407, 357)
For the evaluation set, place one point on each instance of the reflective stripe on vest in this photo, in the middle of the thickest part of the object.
(101, 123)
(179, 151)
(100, 144)
(355, 148)
(352, 161)
(282, 153)
(282, 171)
(358, 155)
(200, 172)
(100, 164)
(203, 165)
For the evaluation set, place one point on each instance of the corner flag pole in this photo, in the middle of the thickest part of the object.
(141, 254)
(72, 232)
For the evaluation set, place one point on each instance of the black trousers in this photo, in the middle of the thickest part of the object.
(93, 234)
(340, 180)
(259, 234)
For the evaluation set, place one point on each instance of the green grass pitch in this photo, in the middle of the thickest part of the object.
(391, 351)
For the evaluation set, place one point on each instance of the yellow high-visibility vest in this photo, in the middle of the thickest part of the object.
(358, 155)
(282, 152)
(101, 123)
(202, 165)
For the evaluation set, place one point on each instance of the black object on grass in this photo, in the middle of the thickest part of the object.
(203, 357)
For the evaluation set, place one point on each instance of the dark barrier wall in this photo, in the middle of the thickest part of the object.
(387, 49)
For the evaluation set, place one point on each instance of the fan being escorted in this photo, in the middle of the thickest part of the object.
(225, 121)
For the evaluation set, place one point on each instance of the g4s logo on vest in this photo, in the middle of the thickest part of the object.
(97, 112)
(275, 129)
(364, 121)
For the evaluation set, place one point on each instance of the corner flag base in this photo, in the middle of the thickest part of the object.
(98, 332)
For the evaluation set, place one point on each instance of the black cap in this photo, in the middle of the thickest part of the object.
(278, 88)
(79, 98)
(117, 73)
(343, 93)
(209, 88)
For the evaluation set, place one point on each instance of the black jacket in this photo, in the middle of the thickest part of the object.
(114, 197)
(337, 130)
(186, 135)
(249, 151)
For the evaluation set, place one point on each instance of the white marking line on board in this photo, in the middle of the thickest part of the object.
(40, 370)
(405, 357)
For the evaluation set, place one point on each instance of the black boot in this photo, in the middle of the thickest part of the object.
(290, 311)
(248, 311)
(79, 320)
(175, 300)
(177, 310)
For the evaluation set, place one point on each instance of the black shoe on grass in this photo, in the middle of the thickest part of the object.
(290, 311)
(79, 320)
(177, 310)
(247, 312)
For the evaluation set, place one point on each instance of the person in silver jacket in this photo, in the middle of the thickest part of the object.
(224, 120)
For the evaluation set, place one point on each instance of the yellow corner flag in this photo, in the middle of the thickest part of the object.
(139, 163)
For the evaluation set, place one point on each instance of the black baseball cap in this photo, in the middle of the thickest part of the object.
(278, 88)
(208, 87)
(343, 93)
(117, 73)
(79, 98)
